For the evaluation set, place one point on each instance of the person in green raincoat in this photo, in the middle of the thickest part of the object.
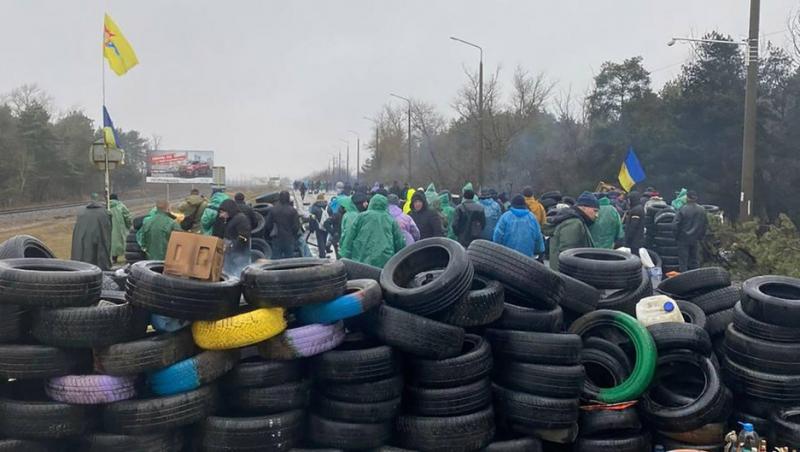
(448, 212)
(607, 227)
(374, 236)
(680, 200)
(120, 225)
(431, 195)
(91, 237)
(350, 214)
(156, 232)
(210, 214)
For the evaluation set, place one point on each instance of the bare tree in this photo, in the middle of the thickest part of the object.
(26, 96)
(531, 92)
(793, 24)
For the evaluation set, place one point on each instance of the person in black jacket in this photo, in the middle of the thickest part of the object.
(634, 224)
(246, 210)
(236, 236)
(316, 224)
(283, 225)
(690, 223)
(469, 219)
(428, 221)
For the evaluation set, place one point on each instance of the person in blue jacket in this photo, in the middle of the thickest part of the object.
(492, 211)
(519, 230)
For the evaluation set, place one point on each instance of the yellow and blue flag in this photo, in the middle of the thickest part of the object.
(109, 132)
(631, 172)
(116, 49)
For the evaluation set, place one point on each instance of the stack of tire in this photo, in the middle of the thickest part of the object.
(538, 377)
(357, 394)
(612, 382)
(762, 356)
(134, 252)
(710, 289)
(652, 208)
(686, 405)
(428, 288)
(664, 240)
(618, 274)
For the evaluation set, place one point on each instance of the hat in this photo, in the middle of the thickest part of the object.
(321, 197)
(604, 201)
(359, 198)
(518, 201)
(587, 199)
(393, 199)
(691, 194)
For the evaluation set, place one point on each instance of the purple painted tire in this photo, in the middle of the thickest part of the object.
(304, 341)
(90, 389)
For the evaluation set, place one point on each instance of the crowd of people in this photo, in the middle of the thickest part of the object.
(371, 224)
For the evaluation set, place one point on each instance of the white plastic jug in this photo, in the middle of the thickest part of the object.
(658, 309)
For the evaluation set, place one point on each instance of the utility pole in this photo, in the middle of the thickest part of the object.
(409, 132)
(750, 111)
(481, 140)
(340, 165)
(376, 161)
(358, 152)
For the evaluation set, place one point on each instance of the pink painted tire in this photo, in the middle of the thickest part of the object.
(90, 389)
(303, 342)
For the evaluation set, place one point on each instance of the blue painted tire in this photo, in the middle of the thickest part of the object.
(164, 324)
(192, 373)
(361, 295)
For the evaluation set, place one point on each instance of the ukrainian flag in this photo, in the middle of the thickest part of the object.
(116, 49)
(631, 172)
(109, 132)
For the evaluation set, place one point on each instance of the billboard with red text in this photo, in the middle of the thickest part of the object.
(180, 167)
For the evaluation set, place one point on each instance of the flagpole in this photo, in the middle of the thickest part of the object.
(105, 147)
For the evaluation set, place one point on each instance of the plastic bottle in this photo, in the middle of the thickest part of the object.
(748, 437)
(658, 309)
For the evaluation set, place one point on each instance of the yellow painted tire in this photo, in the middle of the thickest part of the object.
(239, 330)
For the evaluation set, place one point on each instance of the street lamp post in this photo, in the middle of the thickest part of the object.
(480, 108)
(409, 132)
(377, 159)
(358, 151)
(348, 157)
(750, 110)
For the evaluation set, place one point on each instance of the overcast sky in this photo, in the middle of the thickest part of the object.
(272, 86)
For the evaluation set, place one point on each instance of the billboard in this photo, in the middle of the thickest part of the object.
(180, 167)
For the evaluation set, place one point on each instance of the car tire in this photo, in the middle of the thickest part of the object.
(324, 432)
(483, 304)
(718, 300)
(761, 330)
(542, 379)
(633, 443)
(625, 300)
(578, 296)
(294, 282)
(360, 296)
(159, 414)
(239, 330)
(602, 268)
(255, 371)
(24, 246)
(293, 395)
(192, 373)
(90, 389)
(369, 392)
(534, 348)
(766, 356)
(532, 412)
(599, 422)
(357, 270)
(303, 342)
(14, 323)
(49, 283)
(670, 336)
(696, 282)
(414, 334)
(450, 286)
(153, 352)
(356, 365)
(772, 299)
(26, 362)
(466, 432)
(472, 364)
(277, 432)
(521, 318)
(171, 441)
(692, 313)
(41, 419)
(448, 402)
(357, 412)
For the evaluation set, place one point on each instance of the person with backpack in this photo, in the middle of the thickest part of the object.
(192, 209)
(469, 219)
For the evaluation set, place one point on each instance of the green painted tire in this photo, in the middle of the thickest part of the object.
(646, 354)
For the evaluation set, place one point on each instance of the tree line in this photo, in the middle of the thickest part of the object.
(45, 155)
(687, 134)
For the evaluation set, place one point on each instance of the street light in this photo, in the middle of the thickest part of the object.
(358, 151)
(750, 97)
(348, 157)
(377, 159)
(672, 41)
(409, 132)
(480, 107)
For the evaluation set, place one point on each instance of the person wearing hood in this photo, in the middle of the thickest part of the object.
(572, 227)
(469, 219)
(318, 216)
(91, 237)
(374, 236)
(192, 209)
(407, 205)
(430, 194)
(428, 220)
(491, 210)
(519, 230)
(246, 210)
(407, 226)
(445, 207)
(156, 231)
(349, 211)
(236, 237)
(209, 217)
(634, 224)
(607, 227)
(534, 205)
(283, 224)
(120, 225)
